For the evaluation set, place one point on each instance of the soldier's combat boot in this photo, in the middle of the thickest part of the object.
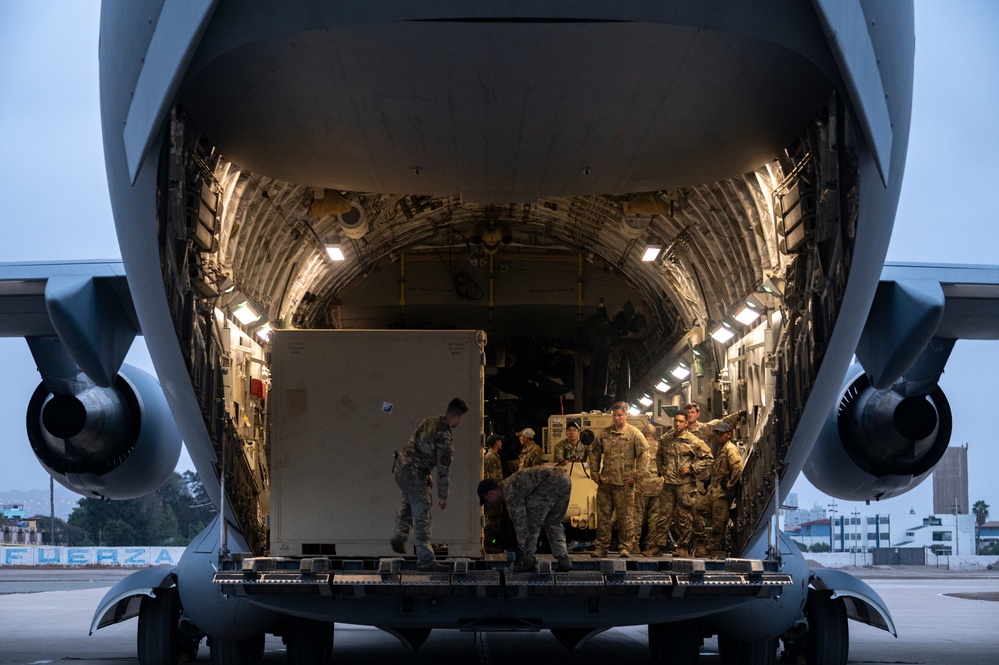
(399, 545)
(598, 554)
(563, 565)
(624, 553)
(435, 567)
(525, 565)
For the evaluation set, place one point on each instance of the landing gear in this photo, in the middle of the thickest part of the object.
(161, 638)
(309, 642)
(237, 652)
(827, 641)
(737, 652)
(675, 643)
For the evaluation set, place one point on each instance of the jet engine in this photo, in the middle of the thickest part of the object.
(879, 443)
(115, 443)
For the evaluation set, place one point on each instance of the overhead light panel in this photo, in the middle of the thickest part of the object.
(634, 411)
(652, 252)
(645, 400)
(752, 310)
(264, 333)
(335, 252)
(772, 285)
(723, 333)
(681, 371)
(662, 386)
(245, 314)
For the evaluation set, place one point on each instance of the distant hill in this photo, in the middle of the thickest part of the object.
(36, 502)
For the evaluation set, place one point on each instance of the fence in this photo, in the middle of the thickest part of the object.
(16, 555)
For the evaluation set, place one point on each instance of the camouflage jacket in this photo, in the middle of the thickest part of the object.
(569, 452)
(726, 472)
(535, 483)
(492, 466)
(530, 456)
(677, 451)
(615, 456)
(430, 446)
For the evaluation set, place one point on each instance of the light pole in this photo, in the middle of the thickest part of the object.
(957, 535)
(856, 536)
(832, 523)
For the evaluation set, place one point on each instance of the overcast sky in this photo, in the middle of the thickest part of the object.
(54, 201)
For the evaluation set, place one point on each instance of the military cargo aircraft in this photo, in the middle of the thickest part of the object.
(665, 202)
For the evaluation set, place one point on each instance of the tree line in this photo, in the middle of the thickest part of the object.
(171, 516)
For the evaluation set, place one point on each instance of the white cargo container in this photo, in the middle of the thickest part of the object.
(341, 402)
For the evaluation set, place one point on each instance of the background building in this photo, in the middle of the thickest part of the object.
(950, 482)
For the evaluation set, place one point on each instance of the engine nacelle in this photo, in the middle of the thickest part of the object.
(115, 443)
(879, 443)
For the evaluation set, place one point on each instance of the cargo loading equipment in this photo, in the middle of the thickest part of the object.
(486, 595)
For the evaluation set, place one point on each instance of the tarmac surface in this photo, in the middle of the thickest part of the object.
(942, 618)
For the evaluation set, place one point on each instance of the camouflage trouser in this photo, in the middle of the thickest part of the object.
(720, 505)
(492, 517)
(611, 498)
(646, 514)
(700, 518)
(676, 505)
(415, 510)
(547, 505)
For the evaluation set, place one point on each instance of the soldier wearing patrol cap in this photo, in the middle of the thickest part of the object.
(530, 454)
(569, 448)
(725, 476)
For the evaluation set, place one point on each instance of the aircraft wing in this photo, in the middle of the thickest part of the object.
(970, 294)
(86, 304)
(97, 426)
(917, 303)
(893, 423)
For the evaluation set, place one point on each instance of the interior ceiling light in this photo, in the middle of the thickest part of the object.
(662, 386)
(722, 333)
(264, 333)
(750, 312)
(772, 285)
(652, 252)
(335, 252)
(245, 314)
(645, 400)
(634, 410)
(680, 371)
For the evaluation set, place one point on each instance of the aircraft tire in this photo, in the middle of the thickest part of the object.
(728, 649)
(675, 643)
(828, 639)
(158, 637)
(233, 652)
(760, 652)
(308, 642)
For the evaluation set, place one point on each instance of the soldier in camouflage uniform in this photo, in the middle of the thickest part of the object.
(617, 461)
(725, 476)
(569, 448)
(530, 454)
(428, 448)
(535, 496)
(492, 469)
(647, 493)
(680, 459)
(705, 431)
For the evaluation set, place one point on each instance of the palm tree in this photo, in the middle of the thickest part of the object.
(981, 511)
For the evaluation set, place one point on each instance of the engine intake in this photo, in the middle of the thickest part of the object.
(879, 443)
(115, 443)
